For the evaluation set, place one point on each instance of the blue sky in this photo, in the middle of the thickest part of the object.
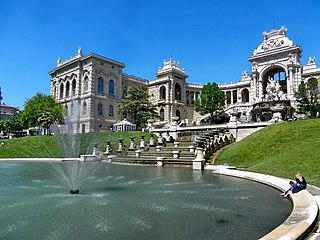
(211, 39)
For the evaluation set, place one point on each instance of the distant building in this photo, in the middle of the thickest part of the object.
(7, 111)
(91, 86)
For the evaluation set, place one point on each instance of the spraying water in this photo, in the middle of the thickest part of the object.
(72, 171)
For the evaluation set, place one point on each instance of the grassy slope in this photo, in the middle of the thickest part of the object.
(52, 146)
(280, 149)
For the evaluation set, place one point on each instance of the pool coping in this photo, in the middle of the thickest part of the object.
(304, 216)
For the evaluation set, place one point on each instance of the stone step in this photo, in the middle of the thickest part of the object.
(162, 154)
(169, 160)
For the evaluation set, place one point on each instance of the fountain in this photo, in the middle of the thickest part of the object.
(74, 191)
(136, 202)
(131, 202)
(274, 106)
(75, 169)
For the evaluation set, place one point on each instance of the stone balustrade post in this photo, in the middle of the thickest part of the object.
(120, 145)
(142, 142)
(151, 141)
(160, 140)
(132, 144)
(108, 148)
(198, 162)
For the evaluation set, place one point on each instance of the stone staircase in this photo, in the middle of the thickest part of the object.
(185, 151)
(181, 153)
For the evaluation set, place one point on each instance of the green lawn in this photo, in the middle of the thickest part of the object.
(280, 149)
(64, 145)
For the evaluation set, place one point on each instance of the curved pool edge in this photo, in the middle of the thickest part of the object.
(304, 216)
(36, 159)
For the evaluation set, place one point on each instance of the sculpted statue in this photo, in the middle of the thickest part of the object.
(274, 91)
(244, 73)
(311, 60)
(80, 51)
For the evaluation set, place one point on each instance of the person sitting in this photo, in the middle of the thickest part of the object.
(292, 189)
(300, 184)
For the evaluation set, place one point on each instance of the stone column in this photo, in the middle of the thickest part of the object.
(253, 93)
(260, 88)
(231, 96)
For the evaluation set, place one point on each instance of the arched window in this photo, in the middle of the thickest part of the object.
(125, 91)
(162, 92)
(274, 76)
(100, 85)
(177, 92)
(187, 97)
(61, 90)
(86, 84)
(178, 114)
(161, 114)
(192, 97)
(74, 85)
(67, 89)
(228, 93)
(110, 110)
(84, 108)
(111, 87)
(55, 92)
(234, 95)
(100, 110)
(245, 95)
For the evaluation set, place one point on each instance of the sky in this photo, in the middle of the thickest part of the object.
(211, 39)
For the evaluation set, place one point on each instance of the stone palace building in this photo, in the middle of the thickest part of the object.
(92, 86)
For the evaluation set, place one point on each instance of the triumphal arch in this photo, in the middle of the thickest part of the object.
(276, 73)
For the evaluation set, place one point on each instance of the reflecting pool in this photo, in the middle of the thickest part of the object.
(135, 202)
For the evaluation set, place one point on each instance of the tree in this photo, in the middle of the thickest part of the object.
(12, 124)
(212, 100)
(41, 110)
(313, 90)
(1, 125)
(307, 97)
(136, 105)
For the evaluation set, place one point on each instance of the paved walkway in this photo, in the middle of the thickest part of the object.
(304, 216)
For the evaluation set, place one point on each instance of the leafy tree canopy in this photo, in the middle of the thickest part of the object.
(136, 105)
(307, 97)
(41, 110)
(11, 124)
(212, 99)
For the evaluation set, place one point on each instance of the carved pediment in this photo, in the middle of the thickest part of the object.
(273, 40)
(112, 75)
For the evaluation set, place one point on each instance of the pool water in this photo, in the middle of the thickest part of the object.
(135, 202)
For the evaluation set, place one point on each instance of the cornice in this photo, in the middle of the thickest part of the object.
(274, 52)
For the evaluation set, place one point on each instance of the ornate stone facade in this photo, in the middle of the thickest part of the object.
(91, 87)
(276, 73)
